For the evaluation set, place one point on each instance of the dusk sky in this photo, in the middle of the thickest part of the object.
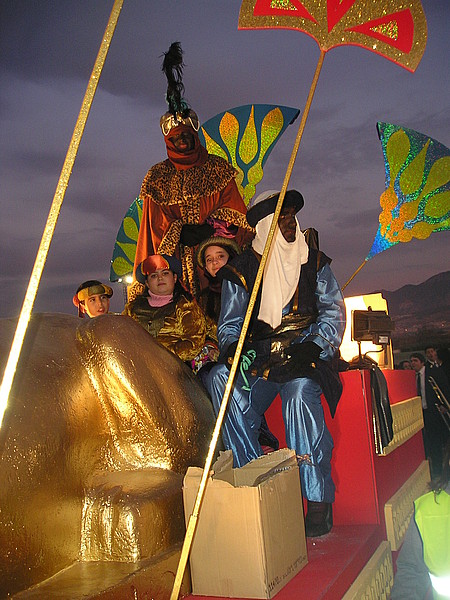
(47, 52)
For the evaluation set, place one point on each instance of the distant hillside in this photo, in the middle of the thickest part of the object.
(421, 313)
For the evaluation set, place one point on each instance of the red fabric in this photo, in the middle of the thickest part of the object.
(157, 220)
(405, 23)
(185, 160)
(153, 263)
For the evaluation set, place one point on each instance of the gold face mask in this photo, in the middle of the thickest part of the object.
(168, 121)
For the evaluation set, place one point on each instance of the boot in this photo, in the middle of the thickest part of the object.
(319, 519)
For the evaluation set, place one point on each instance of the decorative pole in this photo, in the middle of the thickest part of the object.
(55, 208)
(354, 275)
(192, 523)
(327, 24)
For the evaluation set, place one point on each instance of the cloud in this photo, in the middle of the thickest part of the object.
(47, 52)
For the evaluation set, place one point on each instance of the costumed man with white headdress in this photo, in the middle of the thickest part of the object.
(294, 334)
(191, 193)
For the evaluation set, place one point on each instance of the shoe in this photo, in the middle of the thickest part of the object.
(319, 519)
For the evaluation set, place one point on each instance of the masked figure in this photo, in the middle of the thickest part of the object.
(191, 194)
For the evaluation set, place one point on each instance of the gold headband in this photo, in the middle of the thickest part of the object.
(85, 293)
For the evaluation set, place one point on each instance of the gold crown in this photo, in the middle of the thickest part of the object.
(168, 121)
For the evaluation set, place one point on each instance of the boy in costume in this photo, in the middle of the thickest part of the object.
(92, 298)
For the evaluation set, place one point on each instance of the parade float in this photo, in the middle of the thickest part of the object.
(95, 445)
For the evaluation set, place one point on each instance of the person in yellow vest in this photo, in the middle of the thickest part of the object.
(423, 564)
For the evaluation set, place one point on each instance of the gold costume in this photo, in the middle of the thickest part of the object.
(178, 326)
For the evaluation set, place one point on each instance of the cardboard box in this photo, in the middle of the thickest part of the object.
(250, 537)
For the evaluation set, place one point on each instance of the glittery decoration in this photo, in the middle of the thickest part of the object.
(283, 4)
(229, 131)
(246, 135)
(249, 142)
(416, 201)
(389, 29)
(213, 146)
(99, 431)
(396, 29)
(122, 261)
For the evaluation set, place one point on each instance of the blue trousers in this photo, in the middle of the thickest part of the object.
(306, 431)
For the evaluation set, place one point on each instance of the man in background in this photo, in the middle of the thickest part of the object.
(436, 416)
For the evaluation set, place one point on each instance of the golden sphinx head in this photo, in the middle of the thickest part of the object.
(101, 425)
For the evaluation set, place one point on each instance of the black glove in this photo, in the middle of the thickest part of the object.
(191, 235)
(229, 353)
(247, 357)
(304, 354)
(299, 363)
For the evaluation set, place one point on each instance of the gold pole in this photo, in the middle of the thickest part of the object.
(55, 208)
(354, 274)
(192, 523)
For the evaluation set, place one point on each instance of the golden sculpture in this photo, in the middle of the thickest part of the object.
(101, 425)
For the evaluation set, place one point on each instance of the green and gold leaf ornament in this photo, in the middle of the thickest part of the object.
(122, 261)
(416, 201)
(245, 136)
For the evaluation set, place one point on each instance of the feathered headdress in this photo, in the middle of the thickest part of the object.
(179, 112)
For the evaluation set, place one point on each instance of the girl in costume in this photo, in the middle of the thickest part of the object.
(166, 310)
(212, 255)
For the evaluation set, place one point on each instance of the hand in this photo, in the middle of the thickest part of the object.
(303, 355)
(191, 234)
(246, 359)
(247, 352)
(229, 354)
(300, 363)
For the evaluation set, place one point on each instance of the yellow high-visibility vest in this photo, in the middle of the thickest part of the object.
(432, 515)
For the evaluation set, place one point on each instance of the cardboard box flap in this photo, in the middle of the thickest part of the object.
(194, 475)
(289, 463)
(224, 462)
(264, 467)
(252, 474)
